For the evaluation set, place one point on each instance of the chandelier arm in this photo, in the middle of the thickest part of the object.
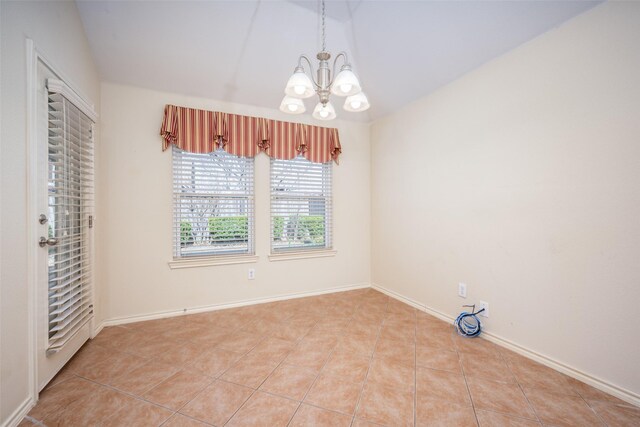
(345, 58)
(310, 68)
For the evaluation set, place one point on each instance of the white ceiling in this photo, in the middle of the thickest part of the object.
(244, 51)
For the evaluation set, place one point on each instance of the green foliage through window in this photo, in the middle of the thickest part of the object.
(186, 233)
(229, 228)
(308, 229)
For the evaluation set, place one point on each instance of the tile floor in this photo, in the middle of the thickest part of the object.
(346, 359)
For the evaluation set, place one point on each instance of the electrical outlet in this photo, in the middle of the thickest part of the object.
(462, 290)
(485, 305)
(252, 273)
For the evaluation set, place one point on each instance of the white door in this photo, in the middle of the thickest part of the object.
(65, 203)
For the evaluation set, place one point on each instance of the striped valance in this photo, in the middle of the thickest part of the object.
(201, 131)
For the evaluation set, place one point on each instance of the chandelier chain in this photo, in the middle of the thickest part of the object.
(324, 42)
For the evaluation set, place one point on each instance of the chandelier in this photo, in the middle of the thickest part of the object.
(301, 86)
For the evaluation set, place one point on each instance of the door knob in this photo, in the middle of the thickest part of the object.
(51, 241)
(42, 219)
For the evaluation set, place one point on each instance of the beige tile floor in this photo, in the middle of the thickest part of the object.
(346, 359)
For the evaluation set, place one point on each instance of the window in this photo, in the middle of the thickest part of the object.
(300, 205)
(213, 204)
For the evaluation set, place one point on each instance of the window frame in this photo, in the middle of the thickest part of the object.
(303, 251)
(214, 256)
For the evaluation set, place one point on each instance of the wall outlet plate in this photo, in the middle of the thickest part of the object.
(462, 290)
(485, 305)
(252, 273)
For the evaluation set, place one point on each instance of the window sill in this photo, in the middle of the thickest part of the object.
(286, 256)
(210, 261)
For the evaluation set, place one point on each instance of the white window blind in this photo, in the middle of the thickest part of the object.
(300, 205)
(213, 204)
(70, 198)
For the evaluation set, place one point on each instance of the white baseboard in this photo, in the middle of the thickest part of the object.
(97, 330)
(18, 415)
(619, 392)
(214, 307)
(612, 389)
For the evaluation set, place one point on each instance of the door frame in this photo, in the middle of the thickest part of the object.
(33, 56)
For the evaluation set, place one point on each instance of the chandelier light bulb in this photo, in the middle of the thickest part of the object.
(299, 85)
(292, 105)
(346, 82)
(324, 112)
(356, 103)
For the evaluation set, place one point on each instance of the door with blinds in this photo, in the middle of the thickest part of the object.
(65, 294)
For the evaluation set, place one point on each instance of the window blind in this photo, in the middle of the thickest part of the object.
(70, 193)
(301, 206)
(213, 204)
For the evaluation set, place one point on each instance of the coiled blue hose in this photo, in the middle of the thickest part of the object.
(467, 323)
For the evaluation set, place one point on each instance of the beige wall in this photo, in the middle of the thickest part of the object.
(57, 32)
(522, 179)
(135, 216)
